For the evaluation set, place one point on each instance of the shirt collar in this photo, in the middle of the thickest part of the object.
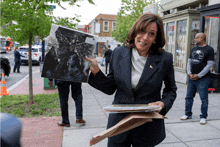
(136, 55)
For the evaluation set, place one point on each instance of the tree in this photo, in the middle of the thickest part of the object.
(129, 12)
(24, 19)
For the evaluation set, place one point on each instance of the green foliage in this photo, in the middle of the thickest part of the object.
(21, 20)
(45, 105)
(129, 12)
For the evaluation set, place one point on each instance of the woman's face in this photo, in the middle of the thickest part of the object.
(145, 38)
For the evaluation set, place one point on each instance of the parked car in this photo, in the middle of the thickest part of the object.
(5, 66)
(36, 54)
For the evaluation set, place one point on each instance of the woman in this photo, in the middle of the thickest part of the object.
(136, 74)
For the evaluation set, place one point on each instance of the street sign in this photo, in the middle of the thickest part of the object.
(52, 7)
(152, 8)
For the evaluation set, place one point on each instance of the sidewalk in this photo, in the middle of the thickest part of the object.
(179, 133)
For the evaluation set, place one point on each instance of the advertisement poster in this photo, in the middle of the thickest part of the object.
(170, 28)
(196, 25)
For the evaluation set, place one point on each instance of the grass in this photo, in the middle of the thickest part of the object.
(44, 105)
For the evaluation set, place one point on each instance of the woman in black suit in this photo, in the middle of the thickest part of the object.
(136, 74)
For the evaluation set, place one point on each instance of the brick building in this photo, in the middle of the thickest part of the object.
(102, 25)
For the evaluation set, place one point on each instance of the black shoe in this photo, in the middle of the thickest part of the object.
(80, 121)
(63, 124)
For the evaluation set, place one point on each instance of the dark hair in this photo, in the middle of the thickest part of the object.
(141, 24)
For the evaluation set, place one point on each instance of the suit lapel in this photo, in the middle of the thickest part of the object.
(150, 68)
(125, 66)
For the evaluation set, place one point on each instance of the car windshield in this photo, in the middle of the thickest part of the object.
(34, 50)
(26, 49)
(23, 49)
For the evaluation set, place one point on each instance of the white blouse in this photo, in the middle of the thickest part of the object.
(138, 63)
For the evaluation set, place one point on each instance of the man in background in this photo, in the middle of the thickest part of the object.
(107, 56)
(76, 91)
(17, 60)
(198, 68)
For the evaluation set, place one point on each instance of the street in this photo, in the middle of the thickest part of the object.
(24, 69)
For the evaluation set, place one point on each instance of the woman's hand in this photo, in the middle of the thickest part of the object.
(94, 68)
(50, 83)
(157, 103)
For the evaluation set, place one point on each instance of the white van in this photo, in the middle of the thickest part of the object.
(36, 54)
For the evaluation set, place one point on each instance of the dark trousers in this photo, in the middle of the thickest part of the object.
(17, 66)
(63, 89)
(106, 66)
(201, 86)
(128, 142)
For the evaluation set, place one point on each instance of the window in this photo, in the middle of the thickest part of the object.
(23, 49)
(105, 26)
(170, 37)
(113, 26)
(180, 52)
(194, 31)
(211, 30)
(34, 50)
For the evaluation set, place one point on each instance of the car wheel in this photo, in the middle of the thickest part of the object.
(2, 70)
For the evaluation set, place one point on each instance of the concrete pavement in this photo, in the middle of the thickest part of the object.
(187, 133)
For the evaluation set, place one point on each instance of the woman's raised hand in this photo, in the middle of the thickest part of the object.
(94, 67)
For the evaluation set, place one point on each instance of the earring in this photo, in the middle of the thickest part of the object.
(154, 43)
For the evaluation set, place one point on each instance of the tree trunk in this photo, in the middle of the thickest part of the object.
(30, 101)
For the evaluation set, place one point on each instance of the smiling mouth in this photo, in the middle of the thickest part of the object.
(142, 43)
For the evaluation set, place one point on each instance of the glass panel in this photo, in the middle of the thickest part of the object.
(180, 54)
(164, 25)
(105, 26)
(113, 26)
(194, 31)
(211, 31)
(170, 37)
(23, 49)
(34, 50)
(3, 42)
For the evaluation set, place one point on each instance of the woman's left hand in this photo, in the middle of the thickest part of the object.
(94, 68)
(157, 103)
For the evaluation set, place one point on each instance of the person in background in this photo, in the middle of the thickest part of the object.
(76, 91)
(136, 74)
(107, 56)
(17, 60)
(103, 59)
(198, 68)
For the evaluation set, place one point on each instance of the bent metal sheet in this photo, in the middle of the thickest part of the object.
(65, 54)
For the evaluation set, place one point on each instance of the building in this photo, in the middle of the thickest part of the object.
(80, 27)
(102, 26)
(182, 20)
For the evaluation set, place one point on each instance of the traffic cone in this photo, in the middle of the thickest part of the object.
(3, 86)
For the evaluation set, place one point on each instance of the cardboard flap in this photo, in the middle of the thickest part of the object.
(131, 121)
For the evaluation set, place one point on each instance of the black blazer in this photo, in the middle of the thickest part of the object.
(158, 69)
(17, 56)
(107, 55)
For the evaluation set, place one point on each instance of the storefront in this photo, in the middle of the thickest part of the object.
(180, 29)
(210, 25)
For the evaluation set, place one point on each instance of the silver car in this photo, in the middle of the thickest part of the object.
(36, 54)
